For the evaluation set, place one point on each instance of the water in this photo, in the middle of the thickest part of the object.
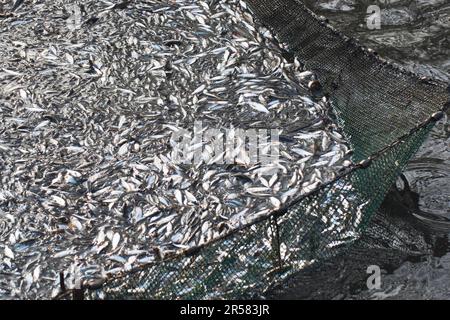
(429, 173)
(413, 32)
(409, 238)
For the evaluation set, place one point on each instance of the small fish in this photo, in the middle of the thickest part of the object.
(258, 107)
(115, 241)
(179, 196)
(59, 201)
(9, 253)
(63, 254)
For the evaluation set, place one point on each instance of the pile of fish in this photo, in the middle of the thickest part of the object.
(92, 94)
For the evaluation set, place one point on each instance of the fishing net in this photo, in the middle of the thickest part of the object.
(385, 113)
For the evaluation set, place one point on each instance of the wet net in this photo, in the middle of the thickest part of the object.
(385, 113)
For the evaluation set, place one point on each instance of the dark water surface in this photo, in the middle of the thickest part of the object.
(415, 33)
(409, 238)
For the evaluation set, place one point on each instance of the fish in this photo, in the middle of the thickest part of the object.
(88, 149)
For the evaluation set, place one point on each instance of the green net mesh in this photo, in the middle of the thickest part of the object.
(386, 114)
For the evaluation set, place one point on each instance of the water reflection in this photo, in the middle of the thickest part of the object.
(429, 176)
(414, 33)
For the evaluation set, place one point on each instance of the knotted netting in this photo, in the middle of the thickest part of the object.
(385, 112)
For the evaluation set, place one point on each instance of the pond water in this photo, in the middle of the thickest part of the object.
(408, 238)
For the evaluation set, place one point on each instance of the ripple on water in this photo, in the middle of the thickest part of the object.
(414, 33)
(416, 36)
(430, 178)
